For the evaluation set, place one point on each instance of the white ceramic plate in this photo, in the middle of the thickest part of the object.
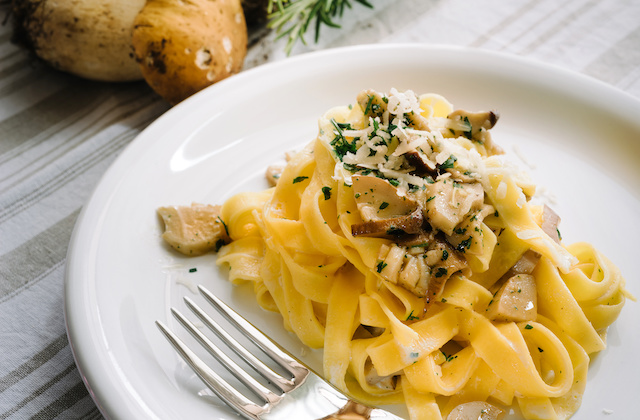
(579, 138)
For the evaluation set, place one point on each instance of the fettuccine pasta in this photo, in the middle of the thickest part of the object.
(401, 243)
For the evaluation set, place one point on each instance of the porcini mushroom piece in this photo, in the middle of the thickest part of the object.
(193, 230)
(387, 383)
(475, 126)
(550, 222)
(377, 199)
(515, 301)
(476, 410)
(524, 265)
(272, 174)
(393, 226)
(444, 262)
(447, 203)
(471, 123)
(423, 166)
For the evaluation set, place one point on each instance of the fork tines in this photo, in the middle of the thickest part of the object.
(218, 385)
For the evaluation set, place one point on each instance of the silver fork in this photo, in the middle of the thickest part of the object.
(304, 395)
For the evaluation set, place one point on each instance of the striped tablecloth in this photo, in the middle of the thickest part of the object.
(58, 135)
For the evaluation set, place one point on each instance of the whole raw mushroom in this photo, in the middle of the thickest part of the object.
(88, 38)
(184, 46)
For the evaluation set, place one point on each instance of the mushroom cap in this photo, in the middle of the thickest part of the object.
(183, 47)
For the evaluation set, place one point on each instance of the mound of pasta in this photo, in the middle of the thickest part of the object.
(401, 242)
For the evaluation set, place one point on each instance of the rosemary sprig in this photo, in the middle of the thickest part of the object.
(291, 18)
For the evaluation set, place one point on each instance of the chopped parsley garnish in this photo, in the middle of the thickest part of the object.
(464, 245)
(340, 144)
(384, 205)
(349, 166)
(559, 235)
(327, 192)
(411, 317)
(430, 198)
(528, 327)
(441, 272)
(369, 102)
(226, 229)
(299, 179)
(467, 133)
(448, 164)
(193, 270)
(424, 244)
(380, 266)
(445, 254)
(219, 244)
(448, 358)
(459, 231)
(394, 182)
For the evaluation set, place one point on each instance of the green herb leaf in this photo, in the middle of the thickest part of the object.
(447, 164)
(299, 179)
(411, 317)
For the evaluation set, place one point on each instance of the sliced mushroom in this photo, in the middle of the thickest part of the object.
(476, 410)
(273, 174)
(423, 166)
(193, 230)
(419, 241)
(444, 262)
(470, 124)
(524, 265)
(448, 202)
(377, 199)
(475, 126)
(387, 383)
(372, 103)
(366, 331)
(393, 226)
(418, 122)
(550, 222)
(385, 209)
(515, 301)
(414, 275)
